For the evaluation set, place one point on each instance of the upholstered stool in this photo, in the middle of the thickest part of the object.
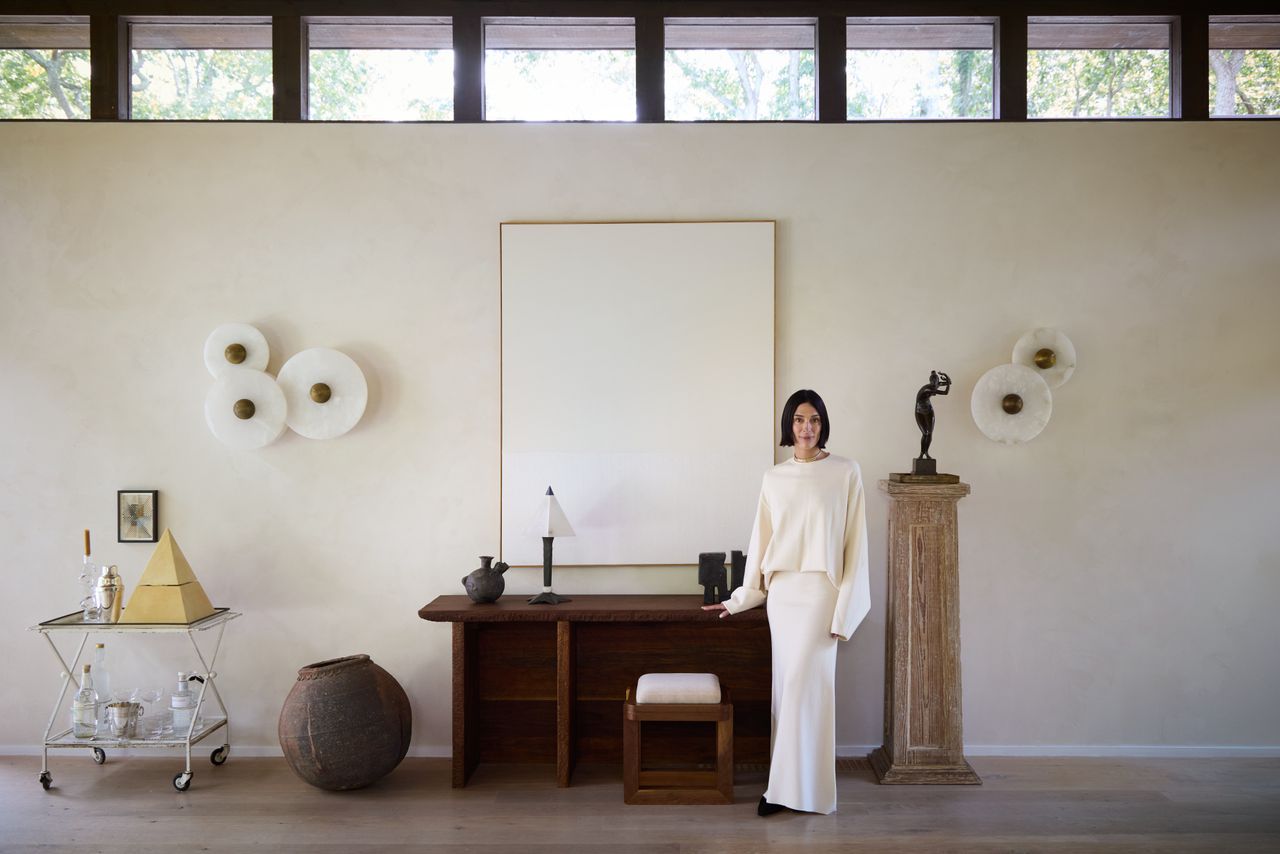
(677, 697)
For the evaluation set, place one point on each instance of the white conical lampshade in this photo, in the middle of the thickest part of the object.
(549, 520)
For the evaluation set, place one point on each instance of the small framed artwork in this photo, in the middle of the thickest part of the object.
(136, 516)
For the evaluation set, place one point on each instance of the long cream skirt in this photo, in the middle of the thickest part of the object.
(802, 765)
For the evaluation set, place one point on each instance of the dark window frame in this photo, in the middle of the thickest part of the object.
(1114, 32)
(222, 32)
(929, 32)
(1259, 32)
(1189, 43)
(394, 33)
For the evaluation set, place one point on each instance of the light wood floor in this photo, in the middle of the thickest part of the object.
(129, 805)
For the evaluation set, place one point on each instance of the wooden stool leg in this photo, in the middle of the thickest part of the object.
(724, 758)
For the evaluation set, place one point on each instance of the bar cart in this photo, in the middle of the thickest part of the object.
(200, 728)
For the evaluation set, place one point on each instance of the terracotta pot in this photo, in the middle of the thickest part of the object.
(345, 724)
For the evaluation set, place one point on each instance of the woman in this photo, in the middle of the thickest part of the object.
(808, 554)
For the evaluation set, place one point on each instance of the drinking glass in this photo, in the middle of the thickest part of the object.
(152, 723)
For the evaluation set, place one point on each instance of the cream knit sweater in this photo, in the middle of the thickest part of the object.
(811, 518)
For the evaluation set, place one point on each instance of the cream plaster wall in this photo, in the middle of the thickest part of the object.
(1120, 574)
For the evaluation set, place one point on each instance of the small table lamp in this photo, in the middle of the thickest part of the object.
(548, 522)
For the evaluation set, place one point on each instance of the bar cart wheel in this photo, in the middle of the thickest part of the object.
(46, 780)
(219, 756)
(99, 756)
(182, 781)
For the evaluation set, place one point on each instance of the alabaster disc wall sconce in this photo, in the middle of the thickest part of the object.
(1011, 404)
(245, 409)
(325, 391)
(1049, 352)
(235, 345)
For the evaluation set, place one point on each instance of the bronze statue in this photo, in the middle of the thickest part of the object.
(939, 383)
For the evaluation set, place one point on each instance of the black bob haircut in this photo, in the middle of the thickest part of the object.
(804, 395)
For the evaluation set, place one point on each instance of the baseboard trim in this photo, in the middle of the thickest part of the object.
(1131, 751)
(853, 751)
(426, 751)
(1135, 751)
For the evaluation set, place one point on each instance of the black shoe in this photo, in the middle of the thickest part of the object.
(766, 808)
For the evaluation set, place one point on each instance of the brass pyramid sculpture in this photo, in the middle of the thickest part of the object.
(168, 591)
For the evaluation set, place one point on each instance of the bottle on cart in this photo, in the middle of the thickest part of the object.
(88, 581)
(182, 706)
(101, 681)
(84, 708)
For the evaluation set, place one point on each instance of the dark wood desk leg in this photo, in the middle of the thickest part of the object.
(566, 694)
(466, 741)
(630, 753)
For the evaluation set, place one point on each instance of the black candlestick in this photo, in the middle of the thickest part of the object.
(546, 597)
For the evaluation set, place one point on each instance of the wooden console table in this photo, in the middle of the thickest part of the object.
(545, 683)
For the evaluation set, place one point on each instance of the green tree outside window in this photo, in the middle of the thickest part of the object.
(1244, 82)
(1097, 83)
(740, 85)
(44, 84)
(919, 84)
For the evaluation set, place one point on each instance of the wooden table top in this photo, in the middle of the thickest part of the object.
(621, 608)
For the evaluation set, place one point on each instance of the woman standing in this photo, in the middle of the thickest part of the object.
(808, 554)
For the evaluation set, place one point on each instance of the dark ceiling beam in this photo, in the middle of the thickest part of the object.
(631, 8)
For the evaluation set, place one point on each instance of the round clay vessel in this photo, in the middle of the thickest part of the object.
(345, 724)
(485, 584)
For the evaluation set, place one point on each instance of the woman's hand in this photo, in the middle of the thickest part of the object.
(719, 606)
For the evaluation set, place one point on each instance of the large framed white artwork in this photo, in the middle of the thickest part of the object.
(637, 382)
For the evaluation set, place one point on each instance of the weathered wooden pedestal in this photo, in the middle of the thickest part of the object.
(923, 737)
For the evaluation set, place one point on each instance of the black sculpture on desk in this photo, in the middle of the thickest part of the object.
(939, 384)
(739, 562)
(485, 584)
(711, 576)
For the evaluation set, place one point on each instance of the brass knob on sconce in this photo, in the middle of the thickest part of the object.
(244, 409)
(325, 391)
(1012, 404)
(235, 353)
(1045, 358)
